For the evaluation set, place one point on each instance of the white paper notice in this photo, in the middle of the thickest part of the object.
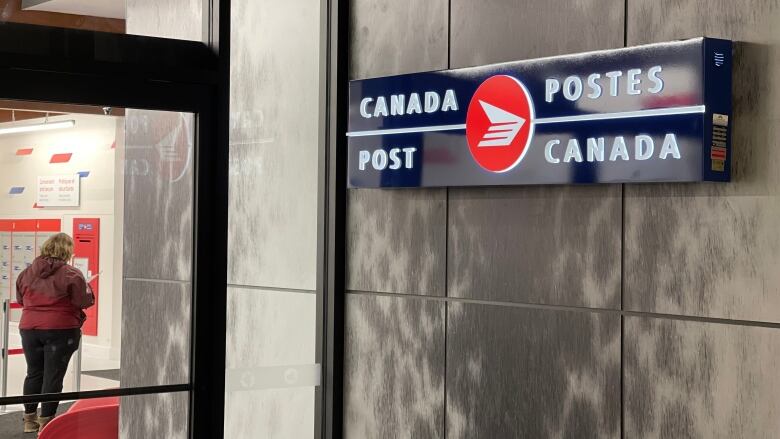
(58, 191)
(82, 264)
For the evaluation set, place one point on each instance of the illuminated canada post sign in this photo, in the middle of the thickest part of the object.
(655, 113)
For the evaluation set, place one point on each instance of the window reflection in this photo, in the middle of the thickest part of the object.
(96, 259)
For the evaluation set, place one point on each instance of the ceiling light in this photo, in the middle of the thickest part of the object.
(38, 127)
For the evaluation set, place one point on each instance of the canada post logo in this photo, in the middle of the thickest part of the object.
(648, 114)
(499, 123)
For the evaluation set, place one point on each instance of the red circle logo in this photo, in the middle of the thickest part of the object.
(500, 123)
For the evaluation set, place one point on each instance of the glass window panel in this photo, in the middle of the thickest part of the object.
(164, 415)
(177, 19)
(120, 183)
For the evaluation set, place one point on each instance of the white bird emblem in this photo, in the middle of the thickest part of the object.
(504, 126)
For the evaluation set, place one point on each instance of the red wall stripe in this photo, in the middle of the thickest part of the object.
(60, 158)
(49, 225)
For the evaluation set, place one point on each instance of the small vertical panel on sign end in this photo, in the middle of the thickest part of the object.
(716, 157)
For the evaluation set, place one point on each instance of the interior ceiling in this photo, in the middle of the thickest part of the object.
(21, 110)
(92, 8)
(7, 115)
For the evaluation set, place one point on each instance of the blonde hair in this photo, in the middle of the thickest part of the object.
(59, 246)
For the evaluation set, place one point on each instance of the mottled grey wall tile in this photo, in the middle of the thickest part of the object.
(267, 330)
(270, 328)
(491, 31)
(700, 380)
(388, 37)
(164, 415)
(396, 241)
(270, 413)
(529, 373)
(158, 195)
(712, 249)
(179, 19)
(274, 141)
(393, 367)
(552, 245)
(158, 208)
(156, 321)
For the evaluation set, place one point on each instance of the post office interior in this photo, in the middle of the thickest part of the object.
(60, 173)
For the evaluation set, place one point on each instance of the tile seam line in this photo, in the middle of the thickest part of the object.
(569, 308)
(163, 281)
(271, 289)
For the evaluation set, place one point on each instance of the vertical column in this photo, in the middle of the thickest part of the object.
(394, 346)
(158, 209)
(709, 251)
(533, 372)
(275, 138)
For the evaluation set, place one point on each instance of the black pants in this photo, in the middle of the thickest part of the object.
(48, 353)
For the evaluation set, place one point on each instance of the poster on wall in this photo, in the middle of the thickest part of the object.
(654, 113)
(58, 191)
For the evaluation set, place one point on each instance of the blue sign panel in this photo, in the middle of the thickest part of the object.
(655, 113)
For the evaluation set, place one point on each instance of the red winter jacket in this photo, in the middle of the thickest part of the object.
(53, 295)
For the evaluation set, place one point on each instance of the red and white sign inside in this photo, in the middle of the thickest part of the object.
(58, 191)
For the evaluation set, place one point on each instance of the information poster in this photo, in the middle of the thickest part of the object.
(58, 191)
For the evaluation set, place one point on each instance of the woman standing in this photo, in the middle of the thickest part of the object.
(53, 295)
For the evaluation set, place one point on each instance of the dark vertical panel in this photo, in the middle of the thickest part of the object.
(527, 372)
(390, 37)
(158, 240)
(154, 416)
(712, 249)
(551, 245)
(394, 367)
(700, 380)
(395, 240)
(155, 351)
(538, 244)
(490, 31)
(159, 192)
(158, 311)
(515, 372)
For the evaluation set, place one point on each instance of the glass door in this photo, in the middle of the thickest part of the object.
(112, 235)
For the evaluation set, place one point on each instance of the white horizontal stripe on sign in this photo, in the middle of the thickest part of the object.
(624, 114)
(407, 130)
(653, 112)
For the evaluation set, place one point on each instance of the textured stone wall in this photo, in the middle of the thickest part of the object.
(455, 318)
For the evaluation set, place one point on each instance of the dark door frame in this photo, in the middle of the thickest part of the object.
(112, 70)
(92, 68)
(331, 279)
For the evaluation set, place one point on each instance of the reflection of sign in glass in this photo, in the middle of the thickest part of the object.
(58, 191)
(82, 264)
